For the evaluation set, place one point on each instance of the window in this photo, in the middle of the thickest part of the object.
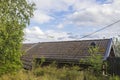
(93, 44)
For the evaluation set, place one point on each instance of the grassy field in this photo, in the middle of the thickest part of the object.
(51, 72)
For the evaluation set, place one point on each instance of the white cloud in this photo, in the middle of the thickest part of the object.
(113, 31)
(84, 13)
(35, 34)
(54, 5)
(40, 17)
(60, 26)
(57, 35)
(34, 31)
(83, 4)
(90, 13)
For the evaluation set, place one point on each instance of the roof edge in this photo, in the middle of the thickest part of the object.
(107, 53)
(75, 40)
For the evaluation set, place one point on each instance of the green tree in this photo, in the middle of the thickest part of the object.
(14, 17)
(116, 46)
(94, 61)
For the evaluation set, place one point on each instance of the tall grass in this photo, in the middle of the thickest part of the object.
(53, 73)
(21, 75)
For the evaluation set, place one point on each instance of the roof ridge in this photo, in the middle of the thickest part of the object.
(76, 40)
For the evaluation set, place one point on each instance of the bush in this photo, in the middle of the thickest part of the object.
(94, 61)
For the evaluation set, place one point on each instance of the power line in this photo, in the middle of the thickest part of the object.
(100, 29)
(97, 31)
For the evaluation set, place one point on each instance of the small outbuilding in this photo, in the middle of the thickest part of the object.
(65, 51)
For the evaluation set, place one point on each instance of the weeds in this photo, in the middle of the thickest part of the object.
(53, 73)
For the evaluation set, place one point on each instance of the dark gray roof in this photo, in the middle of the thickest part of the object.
(65, 50)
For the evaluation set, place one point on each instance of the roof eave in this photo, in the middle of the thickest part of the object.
(109, 46)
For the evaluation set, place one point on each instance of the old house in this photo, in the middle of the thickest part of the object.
(65, 51)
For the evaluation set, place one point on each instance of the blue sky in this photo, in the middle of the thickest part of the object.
(62, 20)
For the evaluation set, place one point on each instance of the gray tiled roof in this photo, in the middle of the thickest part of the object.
(64, 49)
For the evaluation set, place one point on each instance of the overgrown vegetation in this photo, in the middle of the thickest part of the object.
(94, 61)
(14, 16)
(117, 47)
(75, 72)
(51, 72)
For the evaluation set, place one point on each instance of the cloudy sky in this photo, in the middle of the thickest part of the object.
(61, 20)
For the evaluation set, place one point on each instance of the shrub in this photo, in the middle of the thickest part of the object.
(94, 61)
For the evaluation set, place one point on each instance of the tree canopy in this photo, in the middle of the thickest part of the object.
(14, 17)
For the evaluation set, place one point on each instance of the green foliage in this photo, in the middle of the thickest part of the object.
(38, 62)
(54, 73)
(93, 51)
(94, 60)
(42, 61)
(115, 78)
(14, 15)
(92, 76)
(117, 47)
